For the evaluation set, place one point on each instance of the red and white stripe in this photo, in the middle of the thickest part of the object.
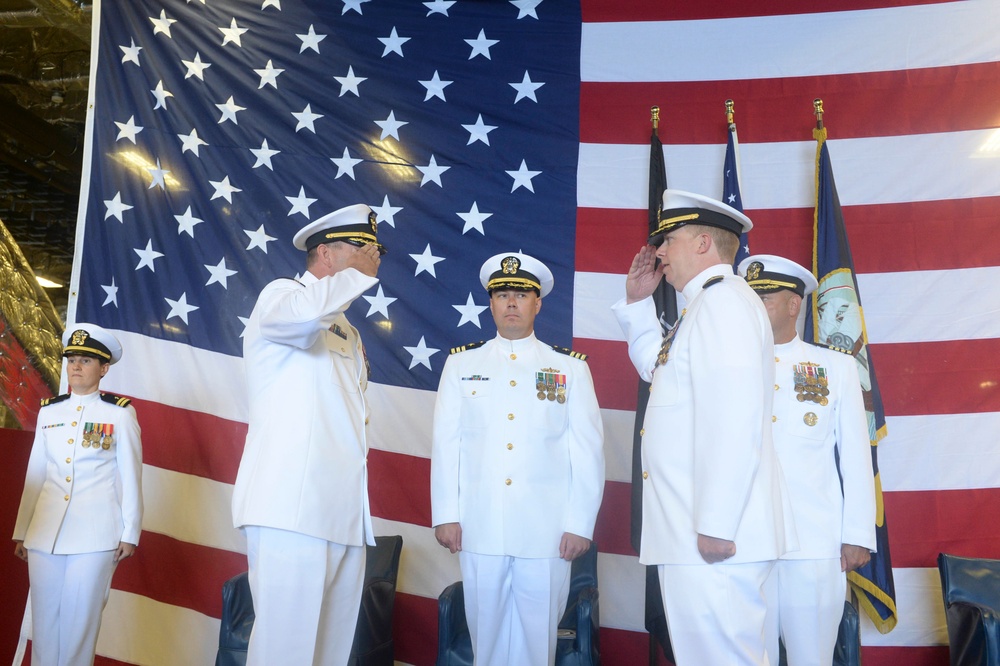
(915, 148)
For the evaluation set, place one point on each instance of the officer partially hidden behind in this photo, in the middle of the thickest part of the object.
(517, 470)
(821, 436)
(73, 526)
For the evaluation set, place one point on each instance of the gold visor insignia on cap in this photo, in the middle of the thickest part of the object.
(509, 265)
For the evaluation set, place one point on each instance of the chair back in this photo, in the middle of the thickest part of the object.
(237, 621)
(970, 580)
(583, 575)
(373, 645)
(970, 588)
(847, 652)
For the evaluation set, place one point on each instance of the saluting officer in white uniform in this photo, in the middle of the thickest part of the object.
(714, 506)
(517, 470)
(301, 493)
(821, 435)
(81, 509)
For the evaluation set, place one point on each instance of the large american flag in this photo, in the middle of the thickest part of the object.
(220, 127)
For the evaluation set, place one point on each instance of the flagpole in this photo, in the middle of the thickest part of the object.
(731, 188)
(731, 126)
(665, 299)
(820, 132)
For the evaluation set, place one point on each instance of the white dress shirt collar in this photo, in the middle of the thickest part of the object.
(515, 346)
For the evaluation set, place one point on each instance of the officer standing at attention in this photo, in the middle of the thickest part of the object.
(821, 436)
(81, 509)
(517, 470)
(301, 493)
(713, 500)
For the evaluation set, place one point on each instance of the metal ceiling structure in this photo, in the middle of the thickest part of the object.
(44, 75)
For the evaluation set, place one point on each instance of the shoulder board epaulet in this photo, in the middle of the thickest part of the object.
(466, 347)
(116, 399)
(716, 279)
(570, 352)
(833, 348)
(54, 399)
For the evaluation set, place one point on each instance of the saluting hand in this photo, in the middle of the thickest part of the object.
(366, 260)
(643, 275)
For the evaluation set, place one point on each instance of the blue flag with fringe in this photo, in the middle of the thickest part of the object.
(838, 320)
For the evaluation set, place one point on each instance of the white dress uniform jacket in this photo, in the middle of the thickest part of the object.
(708, 461)
(304, 466)
(80, 499)
(808, 437)
(514, 471)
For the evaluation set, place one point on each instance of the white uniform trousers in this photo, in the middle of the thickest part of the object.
(68, 594)
(306, 598)
(513, 606)
(716, 613)
(805, 603)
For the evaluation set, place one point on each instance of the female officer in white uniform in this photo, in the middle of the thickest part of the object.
(81, 509)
